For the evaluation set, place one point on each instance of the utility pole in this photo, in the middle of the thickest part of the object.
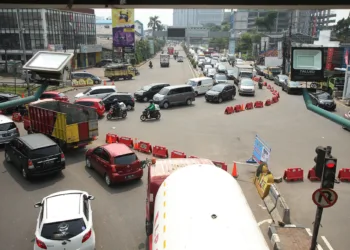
(284, 53)
(290, 40)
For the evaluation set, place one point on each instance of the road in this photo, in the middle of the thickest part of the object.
(201, 130)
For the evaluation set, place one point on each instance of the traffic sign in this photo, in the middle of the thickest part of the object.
(324, 197)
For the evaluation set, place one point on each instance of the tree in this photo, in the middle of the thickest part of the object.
(342, 30)
(266, 22)
(245, 43)
(155, 24)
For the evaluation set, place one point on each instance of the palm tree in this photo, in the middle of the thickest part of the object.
(266, 22)
(155, 24)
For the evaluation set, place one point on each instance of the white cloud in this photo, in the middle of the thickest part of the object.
(165, 15)
(341, 14)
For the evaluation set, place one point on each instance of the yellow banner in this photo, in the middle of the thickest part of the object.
(122, 17)
(129, 30)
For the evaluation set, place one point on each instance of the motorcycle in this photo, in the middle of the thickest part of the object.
(113, 113)
(147, 115)
(150, 66)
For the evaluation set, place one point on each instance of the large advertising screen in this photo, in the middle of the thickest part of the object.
(123, 26)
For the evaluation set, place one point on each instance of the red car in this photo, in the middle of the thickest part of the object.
(116, 162)
(54, 95)
(92, 103)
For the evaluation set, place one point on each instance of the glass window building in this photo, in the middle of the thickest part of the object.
(23, 32)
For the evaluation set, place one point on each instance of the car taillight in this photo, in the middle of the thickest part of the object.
(63, 158)
(30, 166)
(86, 236)
(133, 99)
(17, 131)
(40, 244)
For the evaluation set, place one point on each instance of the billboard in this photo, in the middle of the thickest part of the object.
(123, 27)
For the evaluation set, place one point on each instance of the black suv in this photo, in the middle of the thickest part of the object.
(123, 97)
(85, 75)
(5, 97)
(147, 92)
(35, 155)
(220, 93)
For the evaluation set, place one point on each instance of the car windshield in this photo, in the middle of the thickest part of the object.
(220, 77)
(275, 70)
(7, 126)
(247, 82)
(217, 88)
(63, 230)
(230, 71)
(192, 83)
(125, 159)
(47, 151)
(324, 96)
(163, 91)
(146, 88)
(282, 77)
(86, 91)
(294, 84)
(246, 74)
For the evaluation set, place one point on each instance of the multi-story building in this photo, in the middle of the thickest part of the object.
(197, 17)
(23, 32)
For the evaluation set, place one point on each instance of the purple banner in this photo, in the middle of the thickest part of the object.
(124, 36)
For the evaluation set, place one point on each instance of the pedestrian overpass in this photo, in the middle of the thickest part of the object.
(192, 32)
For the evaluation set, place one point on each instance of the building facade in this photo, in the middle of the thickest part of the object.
(23, 32)
(197, 17)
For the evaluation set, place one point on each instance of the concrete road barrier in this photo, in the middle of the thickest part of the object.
(277, 206)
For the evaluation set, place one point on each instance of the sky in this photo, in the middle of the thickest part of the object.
(166, 15)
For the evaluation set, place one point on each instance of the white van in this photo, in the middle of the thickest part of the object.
(201, 84)
(97, 92)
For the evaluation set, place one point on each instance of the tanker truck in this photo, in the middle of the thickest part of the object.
(200, 206)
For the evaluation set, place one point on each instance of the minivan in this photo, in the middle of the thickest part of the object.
(201, 85)
(97, 92)
(175, 95)
(8, 129)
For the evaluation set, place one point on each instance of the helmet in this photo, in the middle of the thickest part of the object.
(151, 101)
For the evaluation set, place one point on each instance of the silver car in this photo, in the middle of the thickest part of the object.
(8, 129)
(174, 95)
(246, 87)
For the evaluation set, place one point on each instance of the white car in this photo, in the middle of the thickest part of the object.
(223, 59)
(65, 222)
(246, 87)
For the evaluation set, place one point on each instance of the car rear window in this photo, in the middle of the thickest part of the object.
(63, 230)
(125, 159)
(87, 104)
(61, 95)
(47, 151)
(7, 126)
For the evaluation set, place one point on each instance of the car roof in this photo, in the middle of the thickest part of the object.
(117, 149)
(177, 86)
(63, 206)
(200, 78)
(8, 95)
(88, 100)
(156, 84)
(121, 93)
(5, 119)
(84, 72)
(223, 85)
(36, 141)
(103, 87)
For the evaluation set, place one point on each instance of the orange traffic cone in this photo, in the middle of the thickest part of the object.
(136, 144)
(22, 95)
(109, 139)
(104, 83)
(112, 82)
(242, 107)
(234, 170)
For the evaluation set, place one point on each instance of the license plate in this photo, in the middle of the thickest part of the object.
(128, 177)
(6, 135)
(48, 163)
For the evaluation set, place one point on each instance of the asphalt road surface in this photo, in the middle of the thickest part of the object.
(201, 130)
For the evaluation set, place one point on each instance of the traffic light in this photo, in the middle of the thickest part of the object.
(329, 172)
(319, 160)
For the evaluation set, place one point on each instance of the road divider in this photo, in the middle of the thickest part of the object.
(160, 151)
(277, 206)
(344, 174)
(177, 154)
(293, 174)
(144, 147)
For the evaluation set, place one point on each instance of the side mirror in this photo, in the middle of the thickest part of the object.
(90, 197)
(39, 204)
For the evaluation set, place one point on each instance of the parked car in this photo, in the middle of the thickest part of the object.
(246, 87)
(5, 97)
(8, 129)
(65, 221)
(180, 59)
(280, 79)
(147, 92)
(291, 87)
(56, 95)
(220, 93)
(85, 75)
(123, 97)
(97, 92)
(220, 78)
(323, 100)
(116, 162)
(230, 74)
(35, 155)
(94, 103)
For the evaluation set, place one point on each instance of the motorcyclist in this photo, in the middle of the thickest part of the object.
(260, 82)
(151, 108)
(116, 108)
(150, 64)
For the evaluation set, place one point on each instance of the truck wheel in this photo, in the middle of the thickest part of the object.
(129, 77)
(149, 228)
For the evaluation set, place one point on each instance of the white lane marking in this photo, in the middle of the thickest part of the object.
(327, 243)
(319, 247)
(264, 221)
(308, 230)
(262, 207)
